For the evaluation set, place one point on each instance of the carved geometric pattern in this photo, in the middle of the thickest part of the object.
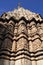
(21, 31)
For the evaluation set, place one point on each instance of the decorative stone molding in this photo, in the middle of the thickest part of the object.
(21, 37)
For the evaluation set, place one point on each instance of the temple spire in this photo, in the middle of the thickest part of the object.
(19, 5)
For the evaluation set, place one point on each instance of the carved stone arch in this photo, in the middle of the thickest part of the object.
(22, 28)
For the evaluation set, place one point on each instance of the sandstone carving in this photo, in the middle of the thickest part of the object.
(21, 38)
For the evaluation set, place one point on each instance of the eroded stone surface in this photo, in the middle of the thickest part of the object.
(21, 40)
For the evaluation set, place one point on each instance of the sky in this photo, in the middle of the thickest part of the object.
(33, 5)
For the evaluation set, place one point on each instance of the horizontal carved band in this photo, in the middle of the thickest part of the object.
(22, 18)
(30, 55)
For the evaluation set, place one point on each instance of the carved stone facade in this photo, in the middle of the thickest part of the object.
(21, 38)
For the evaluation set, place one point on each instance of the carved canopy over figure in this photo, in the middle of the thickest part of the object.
(21, 38)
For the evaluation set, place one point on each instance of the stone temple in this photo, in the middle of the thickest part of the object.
(21, 38)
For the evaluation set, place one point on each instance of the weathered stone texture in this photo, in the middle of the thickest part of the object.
(21, 38)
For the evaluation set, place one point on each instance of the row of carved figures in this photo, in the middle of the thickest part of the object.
(16, 36)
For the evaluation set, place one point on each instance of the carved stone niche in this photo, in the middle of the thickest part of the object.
(34, 29)
(7, 44)
(10, 29)
(22, 27)
(2, 32)
(22, 44)
(2, 28)
(36, 44)
(40, 28)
